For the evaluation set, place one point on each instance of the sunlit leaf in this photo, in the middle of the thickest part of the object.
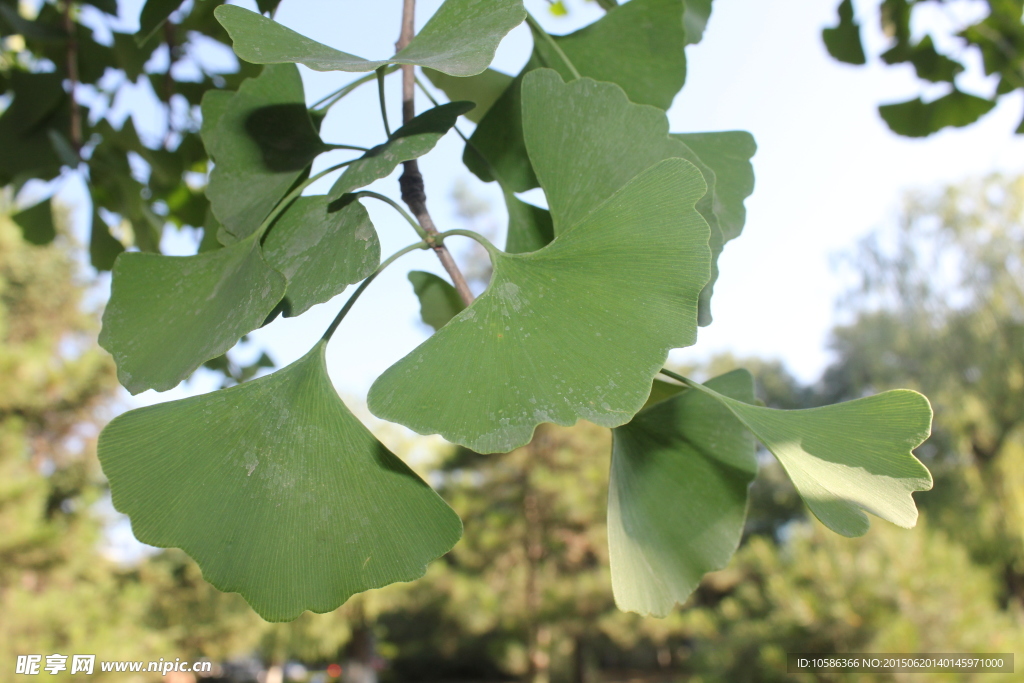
(411, 141)
(277, 491)
(321, 249)
(261, 143)
(677, 498)
(439, 300)
(169, 314)
(460, 39)
(36, 223)
(849, 458)
(574, 330)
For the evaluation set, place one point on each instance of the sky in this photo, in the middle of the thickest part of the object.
(827, 170)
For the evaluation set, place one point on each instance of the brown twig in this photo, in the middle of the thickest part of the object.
(72, 67)
(172, 56)
(413, 192)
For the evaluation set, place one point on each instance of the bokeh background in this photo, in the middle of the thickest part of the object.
(869, 261)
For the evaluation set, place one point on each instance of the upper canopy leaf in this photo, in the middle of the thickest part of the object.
(574, 330)
(262, 142)
(321, 249)
(169, 314)
(411, 141)
(459, 40)
(36, 223)
(850, 457)
(277, 491)
(677, 499)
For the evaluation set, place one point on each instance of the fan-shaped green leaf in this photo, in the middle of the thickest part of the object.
(411, 141)
(439, 301)
(169, 314)
(529, 226)
(460, 39)
(104, 248)
(321, 249)
(917, 118)
(728, 154)
(848, 458)
(277, 491)
(677, 499)
(843, 40)
(261, 144)
(638, 46)
(574, 330)
(482, 90)
(695, 19)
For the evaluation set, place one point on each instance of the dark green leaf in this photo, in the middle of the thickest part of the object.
(917, 118)
(616, 290)
(411, 141)
(36, 223)
(843, 40)
(169, 314)
(132, 57)
(439, 301)
(40, 31)
(244, 187)
(460, 39)
(529, 226)
(482, 90)
(277, 491)
(321, 250)
(267, 6)
(695, 19)
(104, 248)
(929, 64)
(154, 14)
(107, 6)
(848, 458)
(677, 499)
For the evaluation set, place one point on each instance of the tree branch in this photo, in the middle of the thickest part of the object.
(413, 192)
(72, 67)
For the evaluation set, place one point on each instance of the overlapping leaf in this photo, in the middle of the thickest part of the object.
(36, 223)
(483, 90)
(439, 301)
(574, 330)
(277, 491)
(262, 142)
(39, 107)
(677, 497)
(638, 45)
(459, 40)
(848, 458)
(411, 141)
(321, 249)
(169, 314)
(104, 248)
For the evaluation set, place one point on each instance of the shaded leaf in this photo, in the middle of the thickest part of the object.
(848, 458)
(843, 40)
(529, 226)
(928, 62)
(917, 118)
(40, 105)
(169, 314)
(104, 248)
(36, 223)
(728, 154)
(277, 491)
(616, 290)
(439, 301)
(243, 187)
(460, 39)
(411, 141)
(677, 498)
(482, 90)
(321, 250)
(695, 19)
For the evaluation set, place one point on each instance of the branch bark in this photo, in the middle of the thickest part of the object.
(413, 192)
(72, 67)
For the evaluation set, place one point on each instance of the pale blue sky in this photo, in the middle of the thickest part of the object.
(828, 171)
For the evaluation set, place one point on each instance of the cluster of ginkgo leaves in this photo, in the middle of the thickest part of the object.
(278, 491)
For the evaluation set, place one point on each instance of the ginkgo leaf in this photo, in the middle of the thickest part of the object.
(574, 330)
(483, 90)
(677, 498)
(439, 301)
(321, 249)
(459, 40)
(262, 143)
(411, 141)
(169, 314)
(728, 154)
(277, 491)
(104, 248)
(637, 45)
(848, 458)
(529, 226)
(36, 223)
